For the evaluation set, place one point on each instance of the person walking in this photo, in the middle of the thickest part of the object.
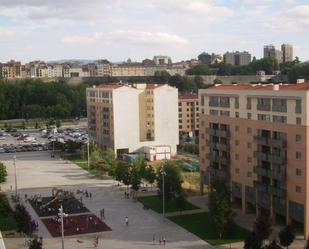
(153, 238)
(127, 220)
(103, 213)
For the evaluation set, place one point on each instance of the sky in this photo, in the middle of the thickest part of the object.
(139, 29)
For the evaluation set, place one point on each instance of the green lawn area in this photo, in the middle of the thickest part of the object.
(155, 203)
(7, 221)
(83, 163)
(201, 225)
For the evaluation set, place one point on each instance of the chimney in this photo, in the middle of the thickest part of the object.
(276, 87)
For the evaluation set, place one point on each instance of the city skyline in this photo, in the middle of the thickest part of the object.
(137, 29)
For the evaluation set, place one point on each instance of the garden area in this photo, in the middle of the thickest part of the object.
(202, 226)
(155, 203)
(7, 220)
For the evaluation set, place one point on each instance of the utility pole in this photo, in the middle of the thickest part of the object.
(88, 152)
(163, 173)
(14, 162)
(62, 214)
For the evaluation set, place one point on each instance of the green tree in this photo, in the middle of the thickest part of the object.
(262, 227)
(25, 224)
(23, 125)
(58, 123)
(201, 69)
(35, 244)
(3, 173)
(122, 172)
(172, 180)
(252, 241)
(287, 236)
(36, 125)
(150, 175)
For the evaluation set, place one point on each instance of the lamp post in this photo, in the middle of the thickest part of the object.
(88, 158)
(163, 173)
(62, 214)
(14, 162)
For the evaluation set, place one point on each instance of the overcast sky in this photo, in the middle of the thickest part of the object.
(138, 29)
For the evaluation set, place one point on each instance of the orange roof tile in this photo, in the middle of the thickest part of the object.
(188, 96)
(267, 87)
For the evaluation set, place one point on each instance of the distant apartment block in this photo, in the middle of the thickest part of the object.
(162, 60)
(188, 113)
(11, 70)
(283, 55)
(287, 52)
(256, 138)
(133, 118)
(237, 58)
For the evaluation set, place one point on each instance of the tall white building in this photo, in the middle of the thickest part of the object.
(134, 118)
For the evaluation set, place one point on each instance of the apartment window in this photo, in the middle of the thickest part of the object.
(236, 142)
(298, 155)
(236, 156)
(298, 172)
(249, 159)
(179, 109)
(279, 119)
(214, 112)
(298, 189)
(236, 128)
(249, 145)
(180, 126)
(202, 100)
(188, 126)
(225, 113)
(180, 120)
(249, 174)
(236, 102)
(279, 105)
(236, 114)
(298, 121)
(249, 130)
(188, 109)
(237, 170)
(188, 115)
(224, 102)
(263, 104)
(179, 104)
(263, 117)
(249, 115)
(248, 103)
(213, 101)
(298, 106)
(298, 138)
(180, 115)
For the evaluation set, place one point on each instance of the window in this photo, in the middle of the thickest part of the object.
(249, 174)
(180, 127)
(298, 172)
(249, 145)
(298, 106)
(298, 155)
(298, 189)
(264, 117)
(236, 128)
(249, 159)
(237, 170)
(263, 104)
(214, 112)
(224, 102)
(298, 138)
(279, 105)
(248, 103)
(236, 114)
(279, 119)
(236, 102)
(249, 130)
(298, 121)
(236, 156)
(179, 109)
(236, 142)
(249, 115)
(213, 101)
(225, 113)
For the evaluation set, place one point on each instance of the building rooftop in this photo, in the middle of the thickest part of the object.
(264, 87)
(188, 96)
(138, 86)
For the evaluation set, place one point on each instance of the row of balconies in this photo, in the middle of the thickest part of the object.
(218, 132)
(218, 159)
(270, 141)
(277, 175)
(218, 146)
(274, 190)
(218, 172)
(279, 159)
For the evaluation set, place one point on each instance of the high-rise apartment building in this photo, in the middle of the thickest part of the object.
(130, 117)
(188, 113)
(287, 52)
(256, 137)
(237, 58)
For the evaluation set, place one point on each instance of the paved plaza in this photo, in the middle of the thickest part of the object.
(38, 173)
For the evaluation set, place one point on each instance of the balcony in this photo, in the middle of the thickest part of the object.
(218, 172)
(259, 170)
(263, 200)
(218, 146)
(278, 175)
(279, 206)
(217, 132)
(260, 140)
(279, 108)
(213, 103)
(280, 192)
(261, 156)
(261, 187)
(263, 107)
(211, 131)
(218, 159)
(279, 142)
(279, 159)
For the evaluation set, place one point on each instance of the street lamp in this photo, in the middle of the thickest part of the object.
(88, 152)
(62, 214)
(14, 162)
(163, 173)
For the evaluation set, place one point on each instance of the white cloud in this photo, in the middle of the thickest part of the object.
(144, 38)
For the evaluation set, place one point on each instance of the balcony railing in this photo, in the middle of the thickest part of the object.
(218, 146)
(218, 159)
(261, 187)
(278, 142)
(279, 159)
(279, 207)
(261, 171)
(277, 191)
(217, 132)
(211, 131)
(218, 172)
(262, 107)
(279, 108)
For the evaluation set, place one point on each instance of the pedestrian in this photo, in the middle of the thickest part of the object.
(127, 220)
(103, 215)
(164, 240)
(125, 194)
(153, 238)
(90, 195)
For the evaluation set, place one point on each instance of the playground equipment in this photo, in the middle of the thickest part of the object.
(60, 196)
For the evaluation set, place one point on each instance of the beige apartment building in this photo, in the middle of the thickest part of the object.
(257, 137)
(188, 113)
(132, 118)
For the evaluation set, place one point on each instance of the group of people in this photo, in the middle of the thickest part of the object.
(84, 193)
(162, 240)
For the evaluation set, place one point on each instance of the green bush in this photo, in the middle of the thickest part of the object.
(3, 172)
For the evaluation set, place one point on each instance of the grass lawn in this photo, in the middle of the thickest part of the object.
(155, 203)
(201, 225)
(191, 182)
(7, 221)
(83, 163)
